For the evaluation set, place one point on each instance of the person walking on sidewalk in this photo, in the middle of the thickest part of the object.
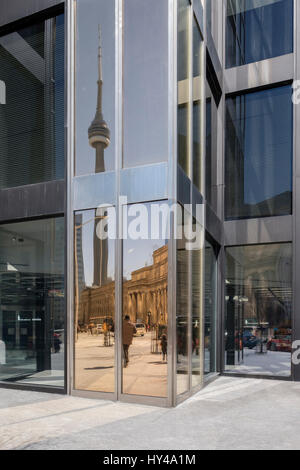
(164, 346)
(129, 330)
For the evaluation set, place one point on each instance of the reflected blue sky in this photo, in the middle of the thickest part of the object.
(145, 82)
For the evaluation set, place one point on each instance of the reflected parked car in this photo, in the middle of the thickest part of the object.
(140, 329)
(281, 344)
(250, 342)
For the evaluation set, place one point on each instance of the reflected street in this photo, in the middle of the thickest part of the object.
(95, 362)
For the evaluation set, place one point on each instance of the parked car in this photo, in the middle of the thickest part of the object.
(250, 342)
(140, 329)
(280, 343)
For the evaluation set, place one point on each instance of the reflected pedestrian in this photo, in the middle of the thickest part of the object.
(164, 346)
(129, 330)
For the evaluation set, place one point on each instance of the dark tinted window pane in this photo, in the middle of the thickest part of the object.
(145, 82)
(259, 147)
(208, 160)
(32, 112)
(197, 42)
(210, 308)
(258, 322)
(197, 297)
(183, 40)
(32, 302)
(94, 261)
(182, 311)
(258, 30)
(209, 14)
(183, 136)
(183, 75)
(197, 153)
(95, 80)
(197, 107)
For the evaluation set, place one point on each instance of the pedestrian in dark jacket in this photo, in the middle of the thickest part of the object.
(129, 330)
(164, 346)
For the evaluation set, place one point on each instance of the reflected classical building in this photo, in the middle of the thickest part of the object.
(144, 295)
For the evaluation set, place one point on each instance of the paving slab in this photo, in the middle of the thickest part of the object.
(230, 413)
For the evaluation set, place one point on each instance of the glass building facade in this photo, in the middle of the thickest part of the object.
(149, 195)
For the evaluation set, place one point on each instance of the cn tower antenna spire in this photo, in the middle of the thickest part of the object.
(100, 56)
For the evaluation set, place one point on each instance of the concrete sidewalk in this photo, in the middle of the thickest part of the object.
(231, 413)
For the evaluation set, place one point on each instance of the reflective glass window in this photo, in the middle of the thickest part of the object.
(197, 106)
(184, 84)
(183, 275)
(94, 312)
(210, 308)
(197, 308)
(95, 87)
(145, 87)
(259, 154)
(258, 30)
(32, 306)
(258, 324)
(145, 308)
(211, 164)
(32, 104)
(208, 154)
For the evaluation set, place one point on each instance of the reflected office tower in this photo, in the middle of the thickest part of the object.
(79, 252)
(99, 133)
(100, 252)
(99, 139)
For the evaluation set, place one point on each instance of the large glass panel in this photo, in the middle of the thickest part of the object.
(145, 82)
(197, 147)
(184, 83)
(211, 164)
(259, 151)
(208, 154)
(32, 112)
(183, 269)
(145, 310)
(94, 260)
(32, 303)
(197, 106)
(258, 30)
(208, 5)
(95, 87)
(197, 308)
(210, 328)
(258, 323)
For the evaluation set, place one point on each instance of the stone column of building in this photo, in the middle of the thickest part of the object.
(154, 298)
(159, 305)
(127, 304)
(165, 304)
(139, 306)
(144, 307)
(134, 306)
(149, 306)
